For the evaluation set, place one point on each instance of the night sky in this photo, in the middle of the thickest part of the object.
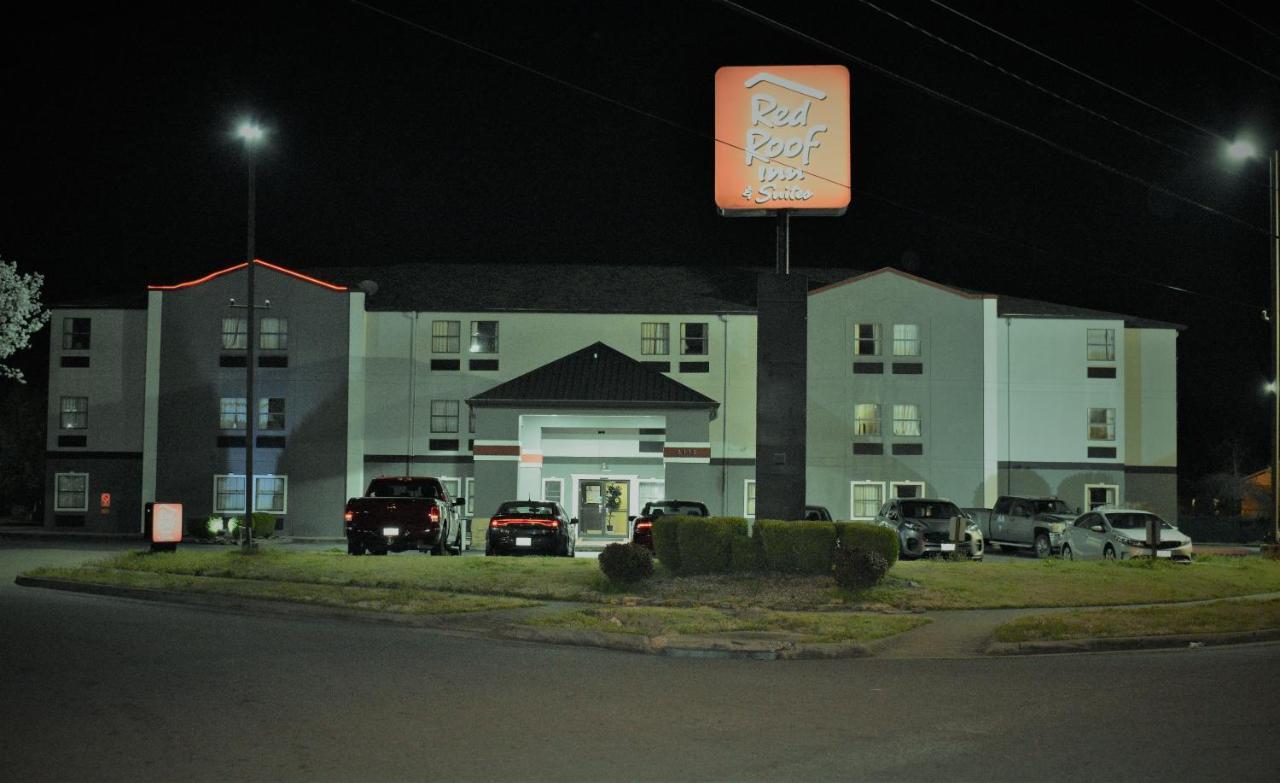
(392, 143)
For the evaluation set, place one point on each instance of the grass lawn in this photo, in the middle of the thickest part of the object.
(1217, 617)
(664, 621)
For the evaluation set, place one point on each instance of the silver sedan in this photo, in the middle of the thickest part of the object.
(1121, 533)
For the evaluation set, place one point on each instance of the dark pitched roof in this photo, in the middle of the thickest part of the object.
(597, 375)
(1015, 307)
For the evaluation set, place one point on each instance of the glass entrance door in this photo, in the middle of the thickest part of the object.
(603, 506)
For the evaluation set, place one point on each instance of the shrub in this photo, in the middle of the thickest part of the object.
(746, 554)
(264, 525)
(666, 542)
(625, 564)
(873, 538)
(705, 543)
(859, 569)
(202, 529)
(798, 547)
(1224, 530)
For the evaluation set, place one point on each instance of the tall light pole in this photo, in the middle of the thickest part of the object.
(1241, 150)
(252, 135)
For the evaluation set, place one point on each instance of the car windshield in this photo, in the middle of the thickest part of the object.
(391, 488)
(526, 507)
(1052, 506)
(930, 509)
(683, 509)
(1135, 521)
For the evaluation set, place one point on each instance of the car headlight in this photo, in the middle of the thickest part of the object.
(1057, 527)
(1130, 541)
(912, 526)
(973, 529)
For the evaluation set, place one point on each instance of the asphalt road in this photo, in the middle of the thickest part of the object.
(96, 688)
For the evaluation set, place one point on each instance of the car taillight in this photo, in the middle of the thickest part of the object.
(433, 513)
(643, 525)
(350, 515)
(504, 521)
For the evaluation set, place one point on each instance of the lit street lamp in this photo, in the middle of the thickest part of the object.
(252, 134)
(1242, 150)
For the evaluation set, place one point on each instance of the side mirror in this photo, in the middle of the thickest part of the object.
(1097, 529)
(574, 521)
(631, 518)
(459, 501)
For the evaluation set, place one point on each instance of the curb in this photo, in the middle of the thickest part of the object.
(1117, 643)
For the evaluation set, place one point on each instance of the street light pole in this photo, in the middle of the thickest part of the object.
(251, 134)
(1273, 165)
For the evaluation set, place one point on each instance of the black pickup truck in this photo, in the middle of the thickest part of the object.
(402, 513)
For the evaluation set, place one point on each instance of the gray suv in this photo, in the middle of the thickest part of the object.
(928, 526)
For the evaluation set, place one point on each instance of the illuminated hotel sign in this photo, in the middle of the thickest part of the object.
(782, 139)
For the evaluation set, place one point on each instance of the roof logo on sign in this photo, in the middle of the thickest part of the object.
(765, 76)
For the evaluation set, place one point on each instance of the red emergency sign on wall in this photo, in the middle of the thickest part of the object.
(104, 503)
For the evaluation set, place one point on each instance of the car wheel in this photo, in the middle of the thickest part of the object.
(1067, 554)
(1108, 552)
(355, 547)
(1043, 548)
(439, 548)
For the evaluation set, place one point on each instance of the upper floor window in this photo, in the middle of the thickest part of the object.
(1102, 345)
(866, 339)
(906, 340)
(232, 414)
(445, 336)
(655, 339)
(866, 419)
(484, 337)
(71, 492)
(75, 334)
(444, 415)
(235, 333)
(693, 339)
(749, 499)
(74, 413)
(270, 413)
(906, 420)
(1102, 424)
(273, 334)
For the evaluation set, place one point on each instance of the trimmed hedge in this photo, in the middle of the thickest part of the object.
(666, 541)
(746, 555)
(626, 564)
(704, 545)
(859, 569)
(798, 547)
(869, 537)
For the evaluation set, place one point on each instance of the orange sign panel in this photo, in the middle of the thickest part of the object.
(166, 523)
(782, 139)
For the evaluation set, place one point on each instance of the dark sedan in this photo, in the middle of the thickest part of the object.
(536, 527)
(642, 532)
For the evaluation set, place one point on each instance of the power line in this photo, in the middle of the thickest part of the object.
(1250, 21)
(1194, 34)
(1107, 268)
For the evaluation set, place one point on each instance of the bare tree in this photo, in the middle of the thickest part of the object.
(21, 313)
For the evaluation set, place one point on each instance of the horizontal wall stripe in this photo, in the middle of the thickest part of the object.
(1169, 470)
(419, 458)
(482, 449)
(93, 454)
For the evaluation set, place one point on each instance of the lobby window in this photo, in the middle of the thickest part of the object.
(452, 486)
(228, 494)
(906, 340)
(866, 498)
(1102, 424)
(906, 420)
(445, 336)
(271, 413)
(70, 492)
(749, 498)
(75, 334)
(655, 339)
(1102, 345)
(484, 337)
(693, 339)
(866, 419)
(444, 415)
(272, 494)
(232, 414)
(273, 334)
(74, 413)
(866, 339)
(235, 334)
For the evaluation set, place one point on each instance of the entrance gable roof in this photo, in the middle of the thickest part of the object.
(597, 376)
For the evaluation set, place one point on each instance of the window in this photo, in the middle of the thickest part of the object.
(235, 334)
(906, 340)
(271, 413)
(866, 419)
(228, 494)
(651, 491)
(655, 339)
(71, 492)
(270, 494)
(1102, 424)
(452, 486)
(484, 337)
(1100, 495)
(471, 497)
(471, 419)
(75, 334)
(273, 334)
(866, 339)
(693, 339)
(1102, 345)
(865, 498)
(749, 498)
(552, 489)
(444, 415)
(444, 336)
(907, 489)
(232, 414)
(906, 420)
(74, 413)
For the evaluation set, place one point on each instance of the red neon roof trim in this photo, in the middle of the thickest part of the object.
(242, 265)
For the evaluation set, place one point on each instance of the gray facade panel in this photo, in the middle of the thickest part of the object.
(120, 476)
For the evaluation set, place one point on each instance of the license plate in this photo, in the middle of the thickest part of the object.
(524, 542)
(390, 531)
(1164, 553)
(948, 547)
